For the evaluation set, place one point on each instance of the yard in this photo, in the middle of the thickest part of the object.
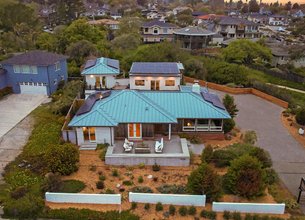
(141, 178)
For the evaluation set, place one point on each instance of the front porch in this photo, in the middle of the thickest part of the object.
(174, 153)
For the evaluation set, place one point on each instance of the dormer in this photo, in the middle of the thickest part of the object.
(155, 75)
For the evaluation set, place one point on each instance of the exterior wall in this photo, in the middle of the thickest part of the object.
(193, 42)
(173, 199)
(109, 80)
(80, 136)
(161, 30)
(45, 74)
(148, 80)
(163, 33)
(3, 80)
(102, 135)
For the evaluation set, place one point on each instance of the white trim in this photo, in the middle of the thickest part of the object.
(135, 130)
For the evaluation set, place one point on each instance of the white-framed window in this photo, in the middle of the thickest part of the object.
(140, 82)
(25, 69)
(17, 69)
(202, 124)
(57, 66)
(164, 30)
(215, 125)
(34, 70)
(169, 82)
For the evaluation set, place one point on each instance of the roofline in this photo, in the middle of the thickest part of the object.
(155, 74)
(212, 33)
(31, 64)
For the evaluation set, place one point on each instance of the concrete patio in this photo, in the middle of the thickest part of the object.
(175, 153)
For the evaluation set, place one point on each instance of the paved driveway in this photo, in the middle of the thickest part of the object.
(16, 107)
(287, 154)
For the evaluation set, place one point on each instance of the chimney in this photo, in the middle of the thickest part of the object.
(196, 87)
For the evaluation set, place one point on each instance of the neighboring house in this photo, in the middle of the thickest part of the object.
(217, 39)
(111, 24)
(155, 76)
(100, 74)
(281, 56)
(179, 9)
(297, 14)
(230, 27)
(278, 20)
(115, 15)
(135, 114)
(34, 72)
(258, 18)
(157, 31)
(192, 38)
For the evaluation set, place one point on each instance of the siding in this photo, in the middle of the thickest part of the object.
(3, 81)
(148, 80)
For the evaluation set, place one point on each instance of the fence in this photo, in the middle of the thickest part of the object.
(238, 91)
(172, 199)
(266, 208)
(112, 199)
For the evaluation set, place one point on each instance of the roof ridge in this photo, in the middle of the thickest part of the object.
(107, 116)
(210, 104)
(100, 62)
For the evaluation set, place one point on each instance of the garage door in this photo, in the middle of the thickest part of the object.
(33, 88)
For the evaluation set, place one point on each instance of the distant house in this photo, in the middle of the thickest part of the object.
(278, 20)
(155, 75)
(297, 14)
(258, 18)
(34, 72)
(179, 9)
(192, 38)
(230, 27)
(100, 74)
(111, 24)
(157, 31)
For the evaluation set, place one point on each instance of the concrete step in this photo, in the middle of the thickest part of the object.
(88, 147)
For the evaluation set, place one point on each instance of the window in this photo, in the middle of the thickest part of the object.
(146, 30)
(202, 125)
(169, 82)
(156, 31)
(16, 69)
(25, 69)
(216, 125)
(34, 69)
(164, 30)
(140, 82)
(57, 66)
(189, 125)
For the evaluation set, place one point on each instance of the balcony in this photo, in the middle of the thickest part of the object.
(95, 87)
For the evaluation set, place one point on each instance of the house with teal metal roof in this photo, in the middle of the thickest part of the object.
(114, 115)
(100, 73)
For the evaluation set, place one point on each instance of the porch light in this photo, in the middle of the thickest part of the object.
(188, 124)
(84, 128)
(91, 76)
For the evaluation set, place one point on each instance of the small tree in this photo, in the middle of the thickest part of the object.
(230, 105)
(300, 116)
(245, 177)
(228, 125)
(62, 159)
(207, 154)
(204, 180)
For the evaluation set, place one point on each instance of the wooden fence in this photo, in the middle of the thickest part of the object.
(238, 91)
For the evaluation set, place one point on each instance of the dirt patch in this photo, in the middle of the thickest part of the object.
(293, 128)
(235, 137)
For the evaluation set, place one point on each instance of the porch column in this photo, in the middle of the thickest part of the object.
(169, 131)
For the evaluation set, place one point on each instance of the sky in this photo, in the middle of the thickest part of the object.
(285, 1)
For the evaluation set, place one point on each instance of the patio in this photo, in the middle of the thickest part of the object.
(175, 153)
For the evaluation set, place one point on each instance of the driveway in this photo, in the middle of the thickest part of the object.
(287, 154)
(16, 107)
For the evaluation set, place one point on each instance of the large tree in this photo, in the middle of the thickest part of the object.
(253, 6)
(245, 51)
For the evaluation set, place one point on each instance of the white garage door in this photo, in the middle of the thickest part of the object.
(33, 88)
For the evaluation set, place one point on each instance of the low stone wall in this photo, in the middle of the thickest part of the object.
(267, 208)
(112, 199)
(166, 159)
(170, 199)
(238, 91)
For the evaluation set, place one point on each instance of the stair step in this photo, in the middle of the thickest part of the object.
(87, 148)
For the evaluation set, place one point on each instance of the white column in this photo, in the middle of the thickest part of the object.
(169, 131)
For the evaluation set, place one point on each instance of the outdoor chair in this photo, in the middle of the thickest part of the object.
(128, 142)
(127, 145)
(159, 146)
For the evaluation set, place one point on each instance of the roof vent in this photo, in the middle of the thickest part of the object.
(196, 88)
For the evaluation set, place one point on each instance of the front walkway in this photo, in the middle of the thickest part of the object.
(264, 117)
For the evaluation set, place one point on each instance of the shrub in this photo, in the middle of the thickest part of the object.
(62, 159)
(172, 189)
(100, 184)
(192, 210)
(207, 154)
(102, 146)
(5, 91)
(155, 178)
(19, 192)
(204, 180)
(228, 102)
(182, 211)
(250, 137)
(172, 210)
(271, 176)
(222, 158)
(262, 155)
(51, 183)
(226, 215)
(102, 177)
(228, 125)
(208, 214)
(133, 205)
(195, 140)
(140, 179)
(300, 116)
(72, 186)
(159, 207)
(141, 165)
(109, 191)
(141, 189)
(102, 154)
(291, 204)
(127, 183)
(156, 167)
(115, 173)
(147, 206)
(92, 168)
(245, 177)
(236, 216)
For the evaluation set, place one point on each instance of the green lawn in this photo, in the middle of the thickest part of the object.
(72, 186)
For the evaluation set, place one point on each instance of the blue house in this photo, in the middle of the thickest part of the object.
(33, 72)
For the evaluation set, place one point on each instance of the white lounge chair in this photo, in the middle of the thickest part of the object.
(127, 148)
(159, 146)
(128, 142)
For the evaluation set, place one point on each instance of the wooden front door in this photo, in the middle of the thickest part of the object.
(97, 82)
(89, 134)
(134, 131)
